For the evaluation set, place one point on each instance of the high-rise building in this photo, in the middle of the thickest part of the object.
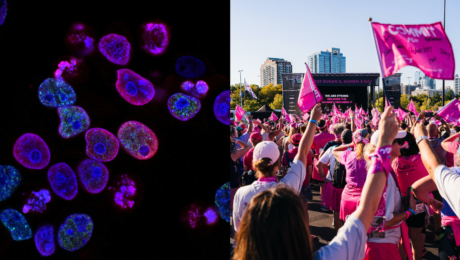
(271, 70)
(424, 81)
(328, 61)
(457, 84)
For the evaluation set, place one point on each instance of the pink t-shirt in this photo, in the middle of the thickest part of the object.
(247, 160)
(449, 159)
(408, 170)
(356, 169)
(320, 140)
(453, 148)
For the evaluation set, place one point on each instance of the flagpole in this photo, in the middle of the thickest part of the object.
(443, 81)
(241, 100)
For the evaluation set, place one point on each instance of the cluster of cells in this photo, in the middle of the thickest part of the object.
(196, 216)
(3, 8)
(37, 201)
(44, 240)
(79, 39)
(222, 107)
(31, 151)
(199, 90)
(63, 181)
(183, 107)
(125, 190)
(75, 232)
(56, 93)
(134, 88)
(101, 145)
(115, 48)
(93, 175)
(9, 181)
(67, 67)
(155, 38)
(222, 201)
(138, 140)
(74, 120)
(16, 223)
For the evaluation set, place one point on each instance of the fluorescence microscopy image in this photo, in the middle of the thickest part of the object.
(79, 39)
(222, 201)
(101, 145)
(155, 38)
(31, 151)
(124, 191)
(222, 107)
(93, 175)
(190, 67)
(138, 140)
(3, 9)
(183, 107)
(74, 120)
(56, 93)
(10, 178)
(44, 240)
(75, 232)
(37, 201)
(115, 48)
(63, 181)
(16, 223)
(134, 88)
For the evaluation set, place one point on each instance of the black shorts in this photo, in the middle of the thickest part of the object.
(436, 195)
(416, 221)
(316, 181)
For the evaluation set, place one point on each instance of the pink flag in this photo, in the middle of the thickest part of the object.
(451, 112)
(292, 118)
(249, 89)
(358, 123)
(401, 114)
(356, 109)
(411, 108)
(247, 120)
(334, 109)
(239, 112)
(309, 95)
(306, 116)
(285, 114)
(273, 117)
(425, 46)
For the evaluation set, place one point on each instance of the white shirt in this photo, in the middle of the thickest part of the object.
(448, 182)
(294, 179)
(328, 157)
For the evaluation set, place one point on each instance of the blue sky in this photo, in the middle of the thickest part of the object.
(294, 29)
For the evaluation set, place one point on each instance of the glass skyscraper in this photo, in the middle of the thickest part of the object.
(424, 81)
(457, 84)
(329, 61)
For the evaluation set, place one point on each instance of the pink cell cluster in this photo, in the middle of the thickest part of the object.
(115, 48)
(124, 192)
(193, 217)
(101, 145)
(134, 88)
(31, 151)
(37, 201)
(70, 67)
(155, 38)
(198, 89)
(79, 39)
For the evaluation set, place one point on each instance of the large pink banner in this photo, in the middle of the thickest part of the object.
(309, 95)
(425, 46)
(239, 112)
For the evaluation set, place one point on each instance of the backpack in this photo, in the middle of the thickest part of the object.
(339, 173)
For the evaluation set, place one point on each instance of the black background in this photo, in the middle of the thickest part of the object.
(188, 167)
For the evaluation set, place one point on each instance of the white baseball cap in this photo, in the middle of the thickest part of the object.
(266, 149)
(375, 136)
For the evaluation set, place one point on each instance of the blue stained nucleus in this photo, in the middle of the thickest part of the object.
(15, 222)
(9, 181)
(211, 216)
(75, 232)
(63, 181)
(56, 93)
(44, 240)
(74, 120)
(99, 148)
(222, 201)
(181, 103)
(93, 175)
(190, 67)
(131, 88)
(3, 9)
(222, 107)
(201, 87)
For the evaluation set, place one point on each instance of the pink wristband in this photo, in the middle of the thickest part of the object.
(383, 161)
(408, 214)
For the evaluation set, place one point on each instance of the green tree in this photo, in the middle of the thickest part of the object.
(380, 105)
(436, 98)
(277, 102)
(404, 102)
(449, 95)
(251, 105)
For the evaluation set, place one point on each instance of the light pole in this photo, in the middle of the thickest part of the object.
(409, 80)
(240, 88)
(443, 81)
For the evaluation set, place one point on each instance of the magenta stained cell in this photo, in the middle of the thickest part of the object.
(101, 145)
(211, 216)
(79, 39)
(155, 38)
(134, 88)
(63, 181)
(137, 140)
(31, 151)
(125, 190)
(198, 89)
(37, 201)
(93, 175)
(115, 48)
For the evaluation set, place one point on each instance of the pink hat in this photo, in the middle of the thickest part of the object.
(257, 129)
(266, 149)
(255, 137)
(296, 139)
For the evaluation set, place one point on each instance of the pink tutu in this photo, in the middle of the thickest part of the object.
(333, 197)
(349, 201)
(325, 195)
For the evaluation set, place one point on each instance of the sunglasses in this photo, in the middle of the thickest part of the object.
(399, 141)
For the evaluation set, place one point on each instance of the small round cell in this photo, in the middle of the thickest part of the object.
(74, 120)
(16, 223)
(137, 140)
(10, 178)
(222, 107)
(3, 9)
(211, 216)
(115, 48)
(183, 107)
(31, 151)
(134, 88)
(222, 201)
(93, 175)
(155, 38)
(75, 232)
(190, 67)
(202, 87)
(44, 240)
(37, 201)
(56, 93)
(63, 181)
(187, 86)
(101, 145)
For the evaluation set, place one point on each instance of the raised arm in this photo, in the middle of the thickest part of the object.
(352, 119)
(250, 128)
(240, 152)
(429, 158)
(450, 139)
(422, 189)
(338, 150)
(307, 138)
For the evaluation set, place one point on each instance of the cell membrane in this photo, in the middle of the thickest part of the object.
(93, 175)
(37, 201)
(115, 48)
(16, 223)
(183, 107)
(44, 240)
(56, 93)
(190, 67)
(222, 107)
(134, 88)
(31, 151)
(222, 201)
(10, 178)
(74, 120)
(3, 9)
(101, 145)
(63, 181)
(137, 140)
(155, 38)
(75, 232)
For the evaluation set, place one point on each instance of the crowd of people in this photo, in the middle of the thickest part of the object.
(383, 177)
